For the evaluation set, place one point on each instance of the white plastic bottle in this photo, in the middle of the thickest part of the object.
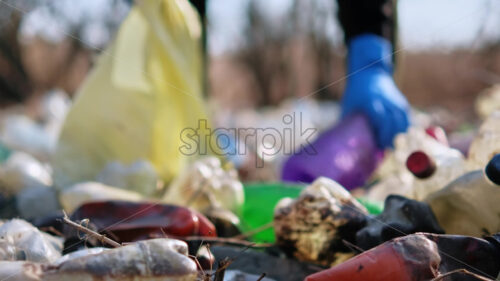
(434, 169)
(470, 205)
(487, 143)
(395, 178)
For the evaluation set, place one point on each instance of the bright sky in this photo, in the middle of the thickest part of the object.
(422, 23)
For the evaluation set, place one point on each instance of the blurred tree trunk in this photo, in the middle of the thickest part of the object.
(14, 82)
(269, 48)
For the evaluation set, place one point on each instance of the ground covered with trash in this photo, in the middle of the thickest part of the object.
(427, 210)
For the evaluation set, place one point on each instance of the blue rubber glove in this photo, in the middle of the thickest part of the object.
(371, 90)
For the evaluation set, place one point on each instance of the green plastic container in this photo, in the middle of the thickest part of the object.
(258, 210)
(374, 208)
(260, 200)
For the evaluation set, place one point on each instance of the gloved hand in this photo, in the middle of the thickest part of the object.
(371, 90)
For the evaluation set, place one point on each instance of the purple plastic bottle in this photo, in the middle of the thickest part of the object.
(346, 153)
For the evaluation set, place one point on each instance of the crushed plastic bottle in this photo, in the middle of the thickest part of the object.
(78, 254)
(433, 171)
(347, 153)
(399, 260)
(312, 226)
(470, 205)
(154, 259)
(19, 240)
(421, 257)
(207, 184)
(487, 142)
(135, 221)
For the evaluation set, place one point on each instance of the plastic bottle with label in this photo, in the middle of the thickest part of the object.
(470, 205)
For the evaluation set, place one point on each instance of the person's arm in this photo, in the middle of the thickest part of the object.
(367, 16)
(369, 28)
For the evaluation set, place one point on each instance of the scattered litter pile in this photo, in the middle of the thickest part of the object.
(421, 211)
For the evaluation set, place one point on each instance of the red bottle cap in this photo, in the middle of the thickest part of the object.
(420, 165)
(493, 169)
(438, 134)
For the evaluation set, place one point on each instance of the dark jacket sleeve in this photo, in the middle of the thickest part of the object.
(367, 16)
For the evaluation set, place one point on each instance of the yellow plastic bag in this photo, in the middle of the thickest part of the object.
(145, 89)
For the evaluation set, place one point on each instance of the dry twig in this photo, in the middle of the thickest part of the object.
(221, 240)
(464, 271)
(221, 270)
(100, 237)
(261, 276)
(254, 231)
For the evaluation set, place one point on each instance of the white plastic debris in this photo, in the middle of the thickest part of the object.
(148, 260)
(20, 271)
(207, 184)
(54, 107)
(21, 241)
(78, 254)
(21, 171)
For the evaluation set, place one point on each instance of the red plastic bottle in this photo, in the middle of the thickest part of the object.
(408, 258)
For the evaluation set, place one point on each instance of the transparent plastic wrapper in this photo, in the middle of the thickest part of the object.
(79, 194)
(347, 153)
(143, 92)
(470, 205)
(139, 176)
(487, 142)
(21, 171)
(206, 184)
(19, 240)
(312, 227)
